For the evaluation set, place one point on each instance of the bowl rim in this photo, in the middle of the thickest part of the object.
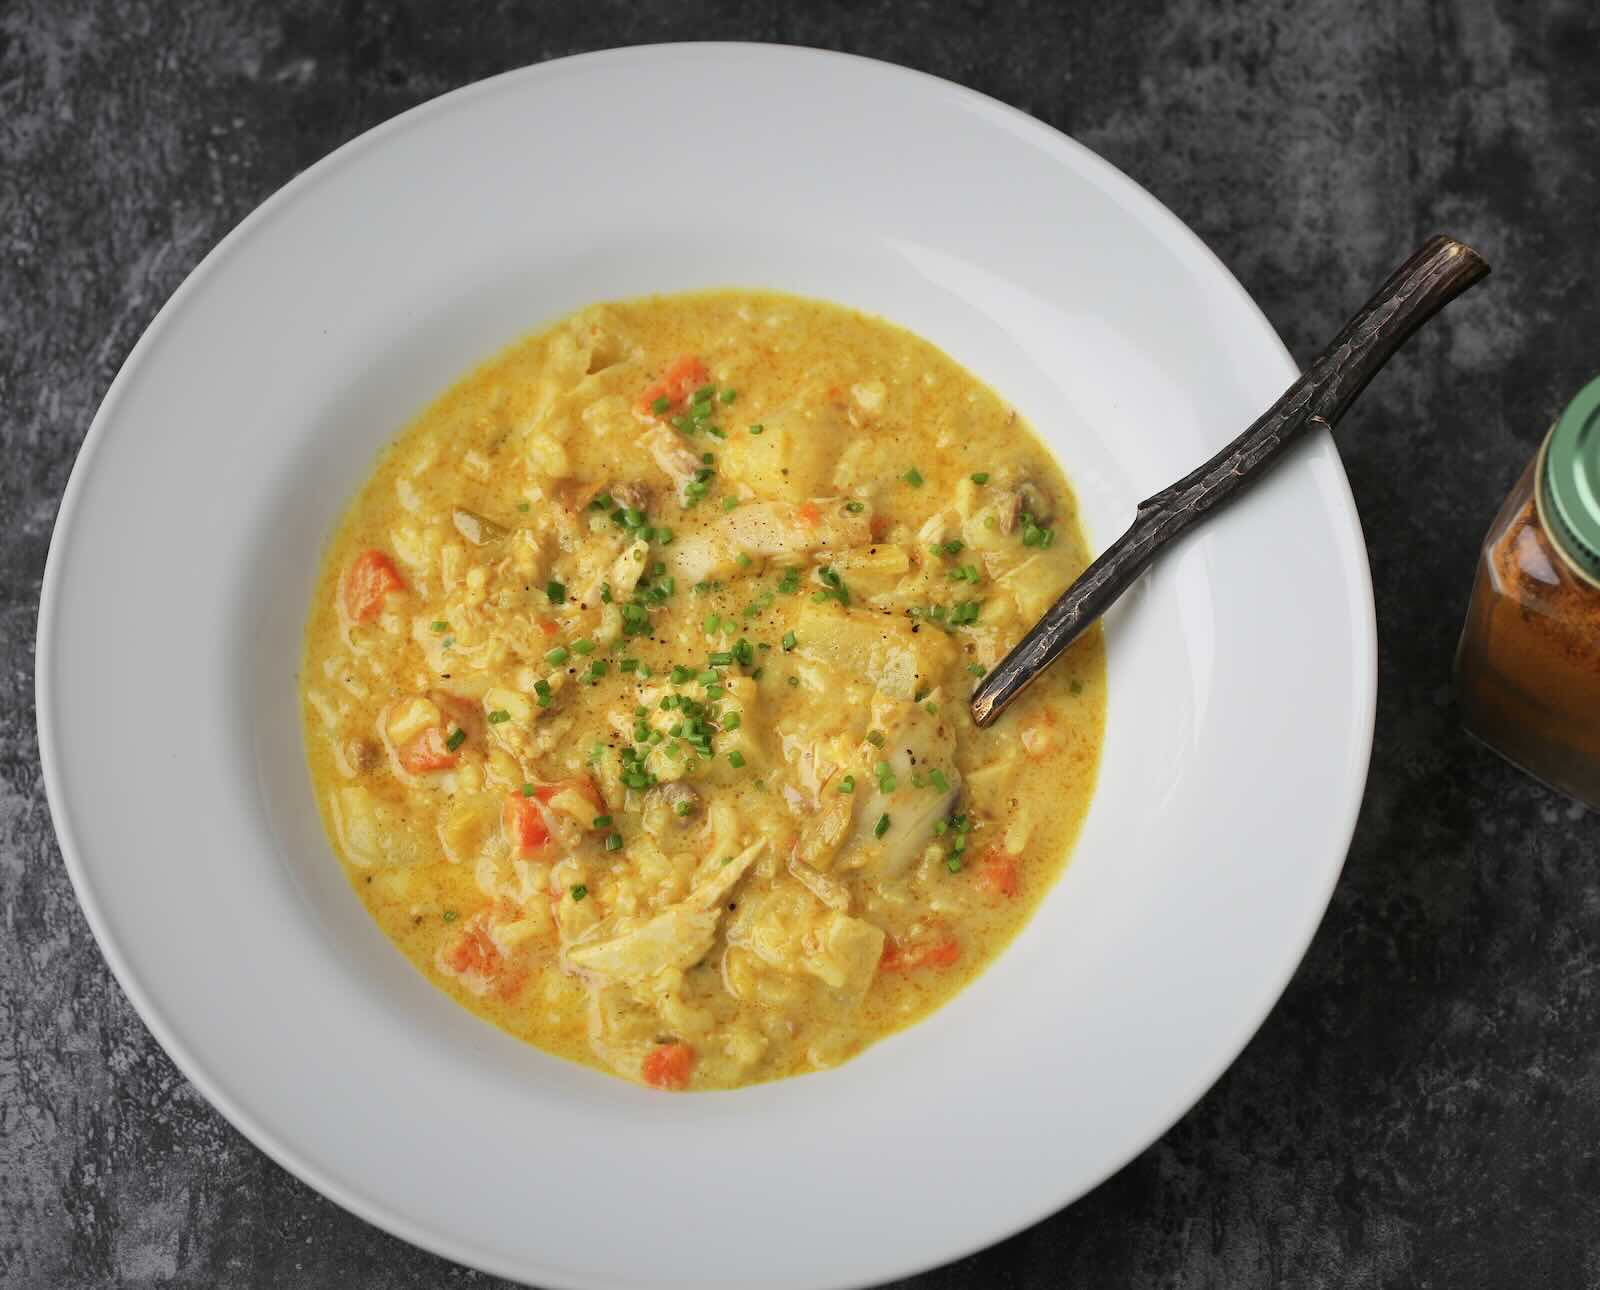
(1060, 147)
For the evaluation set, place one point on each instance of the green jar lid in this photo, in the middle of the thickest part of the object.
(1570, 483)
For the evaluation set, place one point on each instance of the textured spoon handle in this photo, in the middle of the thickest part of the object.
(1417, 290)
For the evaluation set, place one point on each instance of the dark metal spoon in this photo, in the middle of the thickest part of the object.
(1417, 290)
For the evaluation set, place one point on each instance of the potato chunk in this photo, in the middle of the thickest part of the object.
(794, 453)
(770, 530)
(1035, 583)
(881, 647)
(371, 832)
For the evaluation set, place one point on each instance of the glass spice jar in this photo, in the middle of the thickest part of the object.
(1528, 667)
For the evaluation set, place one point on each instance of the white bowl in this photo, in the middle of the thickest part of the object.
(1241, 671)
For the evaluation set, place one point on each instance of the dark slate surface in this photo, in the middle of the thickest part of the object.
(1423, 1106)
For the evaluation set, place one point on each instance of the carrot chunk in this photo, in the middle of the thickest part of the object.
(937, 947)
(524, 824)
(668, 1066)
(683, 376)
(370, 577)
(998, 872)
(526, 828)
(473, 952)
(428, 751)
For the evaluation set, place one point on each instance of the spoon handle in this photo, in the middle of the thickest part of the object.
(1440, 271)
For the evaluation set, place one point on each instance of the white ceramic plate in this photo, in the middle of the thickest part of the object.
(1241, 694)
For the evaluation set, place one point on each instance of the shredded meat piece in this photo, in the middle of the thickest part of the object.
(631, 494)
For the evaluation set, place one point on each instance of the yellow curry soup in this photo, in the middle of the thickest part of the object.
(635, 686)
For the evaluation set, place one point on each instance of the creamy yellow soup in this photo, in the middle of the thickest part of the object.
(635, 686)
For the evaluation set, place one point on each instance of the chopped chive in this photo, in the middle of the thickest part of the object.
(758, 429)
(855, 508)
(720, 658)
(847, 784)
(977, 669)
(664, 536)
(790, 640)
(450, 915)
(875, 738)
(744, 560)
(457, 737)
(661, 405)
(953, 863)
(736, 759)
(712, 623)
(583, 647)
(524, 506)
(499, 715)
(939, 780)
(728, 396)
(527, 790)
(602, 822)
(732, 721)
(913, 477)
(628, 665)
(556, 591)
(881, 827)
(557, 656)
(439, 625)
(579, 892)
(541, 690)
(1077, 686)
(681, 674)
(982, 477)
(730, 503)
(598, 668)
(682, 808)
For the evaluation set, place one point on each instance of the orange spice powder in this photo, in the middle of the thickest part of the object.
(1528, 668)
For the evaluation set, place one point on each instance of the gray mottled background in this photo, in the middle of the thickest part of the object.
(1423, 1107)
